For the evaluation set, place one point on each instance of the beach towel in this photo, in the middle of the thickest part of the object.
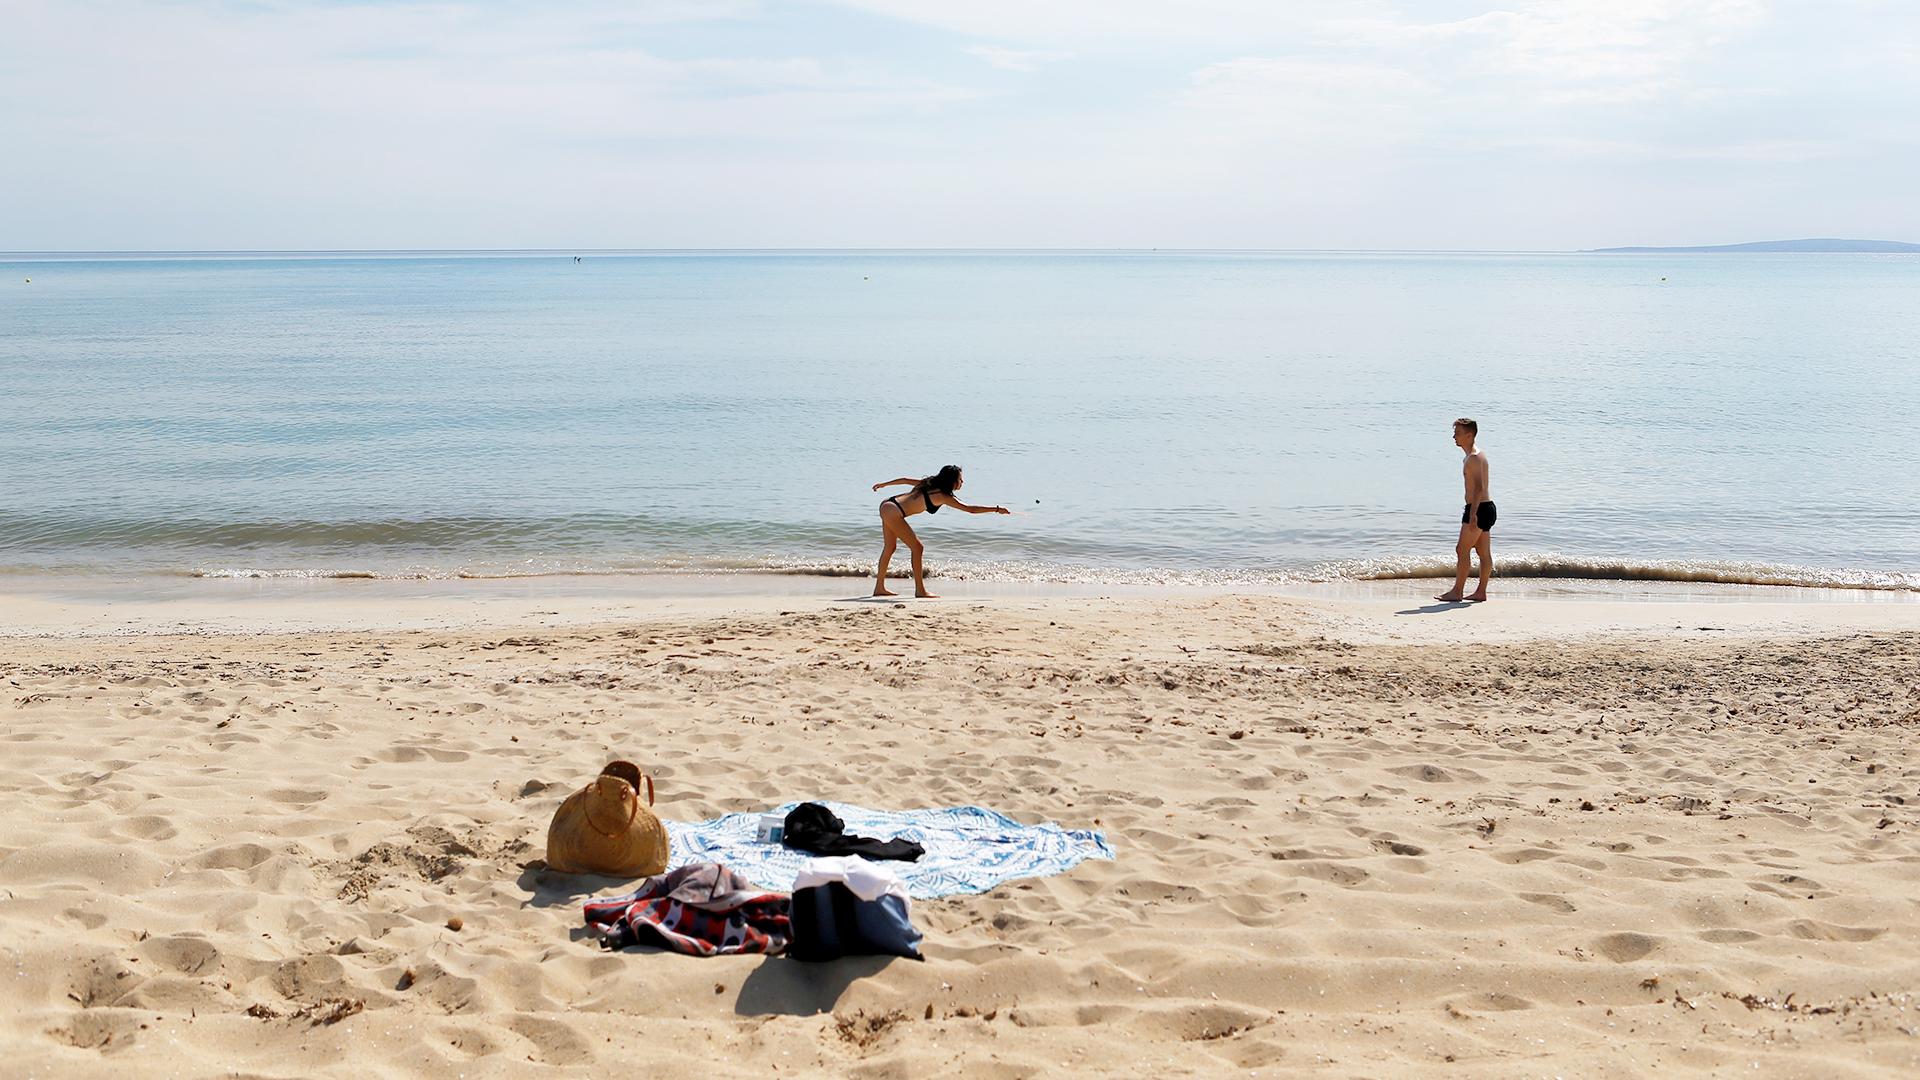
(969, 849)
(700, 909)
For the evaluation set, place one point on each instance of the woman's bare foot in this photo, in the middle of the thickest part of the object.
(1479, 596)
(925, 595)
(881, 591)
(1449, 597)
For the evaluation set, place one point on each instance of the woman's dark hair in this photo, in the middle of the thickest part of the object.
(941, 481)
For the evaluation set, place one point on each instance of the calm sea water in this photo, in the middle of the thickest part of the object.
(1177, 416)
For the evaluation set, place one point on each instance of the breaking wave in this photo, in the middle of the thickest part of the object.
(1545, 566)
(1583, 568)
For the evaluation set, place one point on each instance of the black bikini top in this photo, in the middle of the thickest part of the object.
(925, 496)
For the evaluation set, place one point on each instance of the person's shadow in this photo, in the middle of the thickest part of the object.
(1437, 606)
(782, 987)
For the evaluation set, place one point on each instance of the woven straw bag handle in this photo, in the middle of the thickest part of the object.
(631, 814)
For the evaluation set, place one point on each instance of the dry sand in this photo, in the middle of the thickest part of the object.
(1606, 841)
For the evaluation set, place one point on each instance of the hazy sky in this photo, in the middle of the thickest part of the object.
(1534, 124)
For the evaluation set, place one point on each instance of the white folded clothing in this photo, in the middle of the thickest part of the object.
(865, 879)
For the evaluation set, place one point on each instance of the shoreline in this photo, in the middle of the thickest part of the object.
(1552, 567)
(76, 607)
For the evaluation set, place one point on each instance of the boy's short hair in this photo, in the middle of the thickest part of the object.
(1472, 426)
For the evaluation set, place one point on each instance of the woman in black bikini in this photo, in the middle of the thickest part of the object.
(929, 494)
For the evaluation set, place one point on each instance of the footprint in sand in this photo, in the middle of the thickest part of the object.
(1157, 840)
(1790, 886)
(145, 827)
(1525, 855)
(470, 1040)
(1492, 1001)
(183, 953)
(311, 978)
(90, 920)
(554, 1043)
(1197, 1023)
(1811, 930)
(1625, 947)
(1686, 873)
(400, 753)
(1430, 774)
(94, 1029)
(1344, 876)
(231, 857)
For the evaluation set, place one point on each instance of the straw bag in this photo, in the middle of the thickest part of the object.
(603, 829)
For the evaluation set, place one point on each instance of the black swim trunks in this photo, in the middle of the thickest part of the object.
(1485, 519)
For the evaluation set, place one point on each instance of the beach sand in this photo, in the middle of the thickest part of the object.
(1553, 835)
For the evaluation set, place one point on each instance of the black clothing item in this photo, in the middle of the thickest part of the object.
(814, 829)
(1484, 519)
(829, 922)
(927, 496)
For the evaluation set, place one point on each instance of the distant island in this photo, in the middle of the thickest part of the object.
(1873, 247)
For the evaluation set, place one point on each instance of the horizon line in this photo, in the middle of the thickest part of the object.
(802, 250)
(23, 254)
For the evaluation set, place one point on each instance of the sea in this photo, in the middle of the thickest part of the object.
(1179, 417)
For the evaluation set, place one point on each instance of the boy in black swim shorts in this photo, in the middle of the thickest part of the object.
(1476, 519)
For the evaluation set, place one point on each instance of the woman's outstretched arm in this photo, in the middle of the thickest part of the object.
(948, 500)
(909, 480)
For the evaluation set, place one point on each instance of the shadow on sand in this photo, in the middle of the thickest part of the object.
(1443, 605)
(550, 888)
(781, 987)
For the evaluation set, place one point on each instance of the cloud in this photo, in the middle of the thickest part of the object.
(1566, 51)
(1775, 151)
(1298, 99)
(1082, 23)
(356, 75)
(1445, 123)
(200, 125)
(1018, 59)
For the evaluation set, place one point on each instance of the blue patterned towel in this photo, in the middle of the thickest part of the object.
(969, 849)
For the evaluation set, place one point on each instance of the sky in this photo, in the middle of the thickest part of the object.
(1333, 124)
